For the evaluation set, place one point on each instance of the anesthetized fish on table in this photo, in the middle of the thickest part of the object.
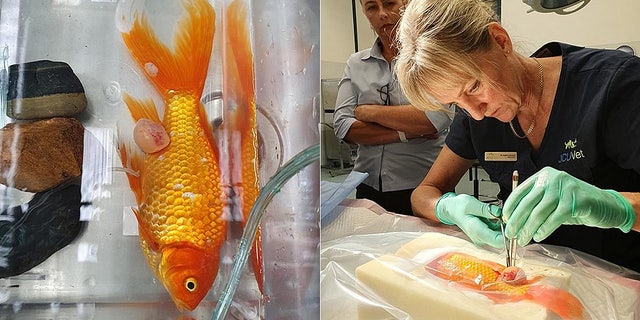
(503, 284)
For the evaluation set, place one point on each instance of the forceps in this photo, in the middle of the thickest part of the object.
(508, 249)
(510, 244)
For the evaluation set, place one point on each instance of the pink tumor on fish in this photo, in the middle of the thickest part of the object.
(513, 275)
(150, 136)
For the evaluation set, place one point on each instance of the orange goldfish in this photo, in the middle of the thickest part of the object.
(487, 277)
(177, 188)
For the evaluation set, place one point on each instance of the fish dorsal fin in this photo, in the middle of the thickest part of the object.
(184, 69)
(239, 87)
(141, 108)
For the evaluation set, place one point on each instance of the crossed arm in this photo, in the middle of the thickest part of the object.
(379, 124)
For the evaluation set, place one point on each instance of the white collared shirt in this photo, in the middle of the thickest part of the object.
(399, 166)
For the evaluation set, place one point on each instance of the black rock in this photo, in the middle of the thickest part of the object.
(32, 232)
(44, 89)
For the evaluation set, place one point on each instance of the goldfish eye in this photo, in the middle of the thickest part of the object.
(191, 284)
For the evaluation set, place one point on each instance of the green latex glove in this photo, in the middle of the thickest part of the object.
(551, 198)
(472, 216)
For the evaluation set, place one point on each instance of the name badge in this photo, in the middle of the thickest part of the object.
(501, 156)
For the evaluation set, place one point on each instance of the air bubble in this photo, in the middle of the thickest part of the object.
(112, 92)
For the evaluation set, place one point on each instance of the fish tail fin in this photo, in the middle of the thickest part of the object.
(185, 68)
(141, 108)
(239, 87)
(561, 302)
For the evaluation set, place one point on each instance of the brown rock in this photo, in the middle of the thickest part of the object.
(39, 155)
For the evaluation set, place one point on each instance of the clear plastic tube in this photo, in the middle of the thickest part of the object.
(4, 84)
(273, 186)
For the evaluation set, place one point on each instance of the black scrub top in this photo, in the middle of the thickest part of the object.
(593, 134)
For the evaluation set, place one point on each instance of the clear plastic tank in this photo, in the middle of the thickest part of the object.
(287, 50)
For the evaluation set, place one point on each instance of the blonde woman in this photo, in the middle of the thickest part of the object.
(566, 118)
(397, 143)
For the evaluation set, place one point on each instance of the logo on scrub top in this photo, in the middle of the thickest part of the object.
(572, 153)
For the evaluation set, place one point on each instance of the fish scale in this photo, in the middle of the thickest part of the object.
(483, 275)
(188, 201)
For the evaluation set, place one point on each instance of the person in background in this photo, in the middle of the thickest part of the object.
(397, 143)
(566, 118)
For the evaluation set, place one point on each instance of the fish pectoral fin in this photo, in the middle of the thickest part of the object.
(141, 108)
(153, 256)
(144, 234)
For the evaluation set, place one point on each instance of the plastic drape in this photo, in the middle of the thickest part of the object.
(377, 265)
